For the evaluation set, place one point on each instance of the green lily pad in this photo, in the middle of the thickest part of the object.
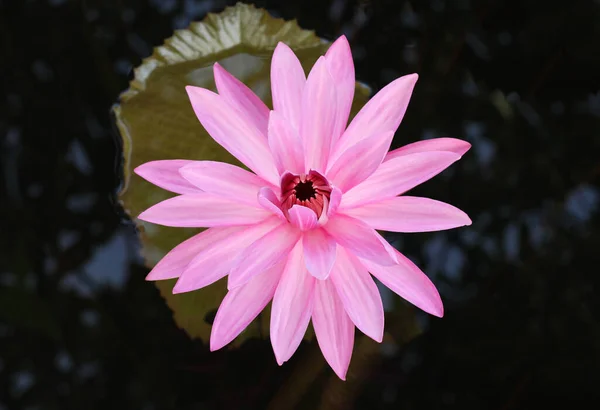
(156, 121)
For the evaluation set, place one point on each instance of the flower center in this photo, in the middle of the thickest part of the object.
(310, 190)
(305, 190)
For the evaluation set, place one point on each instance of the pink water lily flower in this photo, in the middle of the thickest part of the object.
(299, 228)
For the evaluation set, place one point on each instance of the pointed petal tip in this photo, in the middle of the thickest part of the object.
(145, 169)
(462, 218)
(459, 147)
(281, 47)
(341, 372)
(467, 146)
(151, 215)
(139, 170)
(150, 277)
(143, 216)
(414, 77)
(192, 90)
(215, 344)
(219, 72)
(177, 289)
(280, 361)
(339, 368)
(341, 41)
(435, 306)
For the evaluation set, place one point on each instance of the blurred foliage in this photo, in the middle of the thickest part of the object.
(518, 79)
(156, 121)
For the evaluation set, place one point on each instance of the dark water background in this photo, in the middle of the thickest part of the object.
(81, 329)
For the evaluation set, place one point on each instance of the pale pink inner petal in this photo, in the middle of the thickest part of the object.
(359, 294)
(285, 144)
(287, 84)
(303, 218)
(359, 161)
(241, 305)
(165, 174)
(382, 113)
(358, 238)
(436, 144)
(203, 210)
(242, 98)
(268, 200)
(263, 253)
(319, 111)
(174, 263)
(319, 252)
(407, 280)
(334, 201)
(333, 328)
(340, 65)
(396, 176)
(233, 132)
(410, 214)
(224, 180)
(292, 306)
(217, 258)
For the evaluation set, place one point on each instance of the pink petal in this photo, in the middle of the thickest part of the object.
(331, 206)
(358, 238)
(233, 132)
(265, 252)
(224, 180)
(382, 113)
(319, 111)
(241, 305)
(396, 176)
(269, 201)
(287, 83)
(359, 294)
(319, 252)
(165, 174)
(407, 280)
(292, 306)
(303, 218)
(242, 98)
(389, 248)
(218, 257)
(359, 161)
(202, 210)
(340, 65)
(437, 144)
(173, 264)
(333, 328)
(285, 144)
(334, 201)
(410, 214)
